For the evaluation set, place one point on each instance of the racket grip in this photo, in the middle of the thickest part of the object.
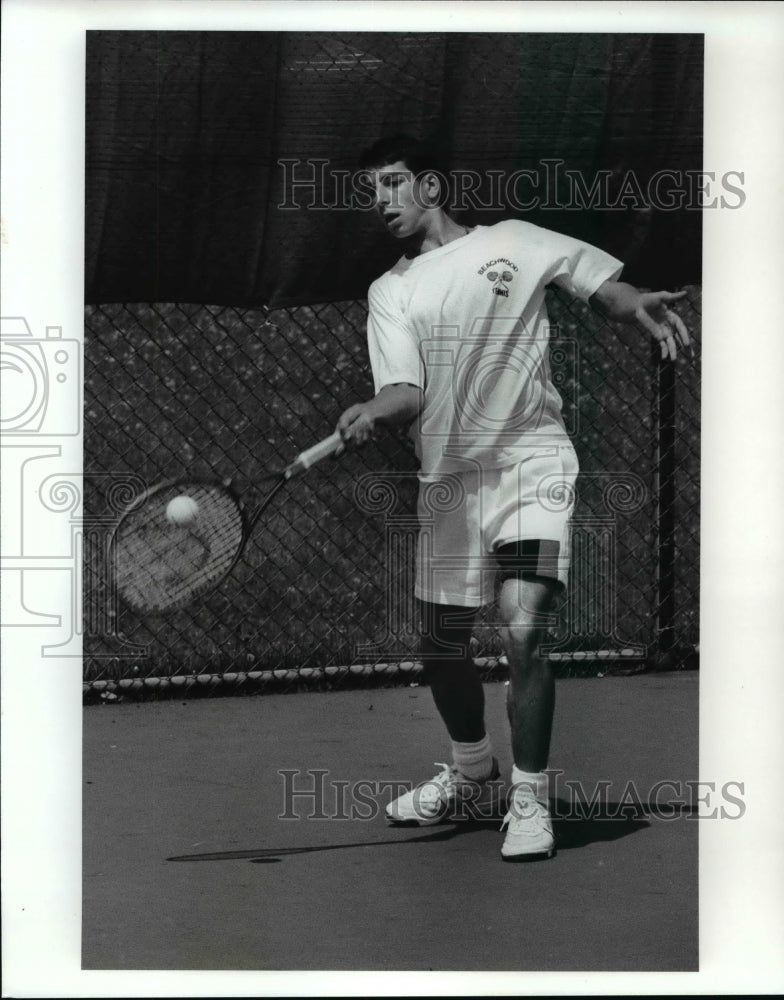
(312, 455)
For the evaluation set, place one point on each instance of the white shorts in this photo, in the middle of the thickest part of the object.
(465, 517)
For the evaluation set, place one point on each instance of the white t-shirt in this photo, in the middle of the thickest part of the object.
(467, 324)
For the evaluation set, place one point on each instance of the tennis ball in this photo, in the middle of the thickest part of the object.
(182, 510)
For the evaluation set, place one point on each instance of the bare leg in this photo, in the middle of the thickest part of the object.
(450, 671)
(524, 604)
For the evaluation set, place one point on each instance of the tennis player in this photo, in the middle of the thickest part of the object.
(458, 343)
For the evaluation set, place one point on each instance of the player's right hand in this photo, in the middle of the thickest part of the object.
(356, 427)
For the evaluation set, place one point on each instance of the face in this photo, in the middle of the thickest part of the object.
(400, 199)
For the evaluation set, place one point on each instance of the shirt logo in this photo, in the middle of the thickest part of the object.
(500, 281)
(499, 278)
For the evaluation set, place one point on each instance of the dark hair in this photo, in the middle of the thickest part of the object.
(418, 155)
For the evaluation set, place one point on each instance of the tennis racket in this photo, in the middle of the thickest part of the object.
(161, 564)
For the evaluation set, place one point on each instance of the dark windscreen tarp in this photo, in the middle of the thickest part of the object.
(193, 140)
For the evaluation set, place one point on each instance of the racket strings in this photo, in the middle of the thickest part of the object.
(159, 565)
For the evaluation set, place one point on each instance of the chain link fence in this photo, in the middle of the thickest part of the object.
(323, 593)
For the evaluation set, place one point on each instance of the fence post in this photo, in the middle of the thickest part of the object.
(664, 420)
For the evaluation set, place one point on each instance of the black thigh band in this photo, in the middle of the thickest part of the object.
(528, 557)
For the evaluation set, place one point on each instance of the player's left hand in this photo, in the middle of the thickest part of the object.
(655, 316)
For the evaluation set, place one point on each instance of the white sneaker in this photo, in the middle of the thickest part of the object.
(529, 828)
(450, 795)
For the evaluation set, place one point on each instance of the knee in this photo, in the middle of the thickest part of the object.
(525, 606)
(524, 657)
(430, 661)
(521, 640)
(446, 664)
(445, 645)
(439, 662)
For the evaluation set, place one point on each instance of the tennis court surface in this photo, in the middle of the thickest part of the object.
(190, 861)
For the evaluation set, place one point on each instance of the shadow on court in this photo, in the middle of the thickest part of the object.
(248, 833)
(577, 832)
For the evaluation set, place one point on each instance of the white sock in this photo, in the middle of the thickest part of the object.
(535, 780)
(474, 760)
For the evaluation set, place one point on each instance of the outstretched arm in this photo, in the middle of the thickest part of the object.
(392, 406)
(649, 310)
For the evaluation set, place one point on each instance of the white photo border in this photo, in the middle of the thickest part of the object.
(741, 863)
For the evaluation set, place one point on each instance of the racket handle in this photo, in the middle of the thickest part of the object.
(312, 455)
